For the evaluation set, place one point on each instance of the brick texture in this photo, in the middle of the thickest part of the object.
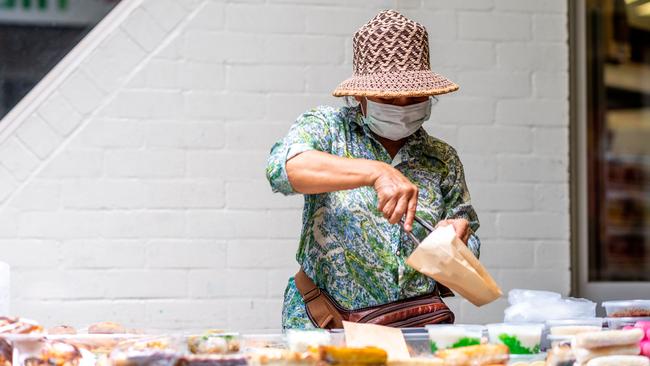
(134, 191)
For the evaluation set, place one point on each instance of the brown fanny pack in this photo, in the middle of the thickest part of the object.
(325, 312)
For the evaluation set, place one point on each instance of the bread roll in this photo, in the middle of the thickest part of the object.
(608, 338)
(584, 354)
(620, 361)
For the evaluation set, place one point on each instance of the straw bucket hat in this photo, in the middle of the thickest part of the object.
(391, 59)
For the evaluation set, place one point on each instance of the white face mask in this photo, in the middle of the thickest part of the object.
(396, 122)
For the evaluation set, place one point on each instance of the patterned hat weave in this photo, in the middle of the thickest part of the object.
(391, 59)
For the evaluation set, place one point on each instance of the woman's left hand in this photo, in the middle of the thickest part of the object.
(461, 227)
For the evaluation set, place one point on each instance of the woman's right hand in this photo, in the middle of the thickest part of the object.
(396, 195)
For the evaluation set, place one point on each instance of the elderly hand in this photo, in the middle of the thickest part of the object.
(461, 227)
(396, 195)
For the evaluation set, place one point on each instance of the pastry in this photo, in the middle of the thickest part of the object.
(620, 361)
(106, 328)
(284, 357)
(18, 325)
(55, 353)
(212, 360)
(62, 329)
(417, 361)
(584, 354)
(608, 338)
(6, 352)
(348, 356)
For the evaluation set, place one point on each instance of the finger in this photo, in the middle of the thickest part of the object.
(389, 208)
(400, 210)
(410, 213)
(442, 223)
(381, 202)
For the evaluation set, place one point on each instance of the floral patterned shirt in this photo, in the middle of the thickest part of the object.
(346, 246)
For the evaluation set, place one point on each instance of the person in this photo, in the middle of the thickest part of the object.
(365, 170)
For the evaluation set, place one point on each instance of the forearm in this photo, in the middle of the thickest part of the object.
(313, 172)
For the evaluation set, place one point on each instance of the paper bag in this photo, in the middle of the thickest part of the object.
(389, 339)
(446, 259)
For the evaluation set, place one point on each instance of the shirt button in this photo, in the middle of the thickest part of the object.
(399, 253)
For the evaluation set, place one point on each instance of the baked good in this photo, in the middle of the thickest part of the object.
(14, 325)
(560, 355)
(6, 352)
(608, 338)
(62, 329)
(483, 354)
(278, 356)
(212, 360)
(417, 361)
(55, 353)
(620, 361)
(357, 356)
(585, 354)
(145, 358)
(106, 328)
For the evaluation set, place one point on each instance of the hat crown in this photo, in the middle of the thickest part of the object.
(390, 42)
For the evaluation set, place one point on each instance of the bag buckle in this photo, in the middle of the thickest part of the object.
(311, 295)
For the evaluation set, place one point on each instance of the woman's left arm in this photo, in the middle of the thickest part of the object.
(458, 208)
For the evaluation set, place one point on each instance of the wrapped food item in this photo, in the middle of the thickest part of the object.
(11, 325)
(157, 351)
(62, 329)
(620, 361)
(302, 340)
(417, 361)
(214, 342)
(443, 336)
(282, 357)
(570, 327)
(56, 354)
(6, 352)
(583, 355)
(608, 338)
(106, 328)
(485, 354)
(212, 360)
(627, 308)
(352, 356)
(560, 355)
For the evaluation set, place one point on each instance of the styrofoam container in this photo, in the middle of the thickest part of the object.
(442, 336)
(521, 338)
(627, 308)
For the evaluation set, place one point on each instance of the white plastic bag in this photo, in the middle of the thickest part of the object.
(530, 306)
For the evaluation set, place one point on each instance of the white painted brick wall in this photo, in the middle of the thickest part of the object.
(132, 188)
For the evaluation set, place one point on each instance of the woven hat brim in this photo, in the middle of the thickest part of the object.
(396, 84)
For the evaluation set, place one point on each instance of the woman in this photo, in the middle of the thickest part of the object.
(364, 168)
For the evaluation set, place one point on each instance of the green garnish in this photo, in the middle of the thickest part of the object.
(466, 341)
(514, 344)
(434, 347)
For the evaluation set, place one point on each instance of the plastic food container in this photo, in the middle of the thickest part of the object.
(521, 338)
(571, 327)
(627, 308)
(620, 323)
(302, 340)
(442, 336)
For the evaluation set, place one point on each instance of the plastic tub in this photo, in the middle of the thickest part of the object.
(442, 336)
(627, 308)
(570, 327)
(619, 323)
(521, 338)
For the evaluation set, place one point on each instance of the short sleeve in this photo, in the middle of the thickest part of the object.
(311, 131)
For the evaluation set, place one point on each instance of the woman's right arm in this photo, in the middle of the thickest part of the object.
(313, 172)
